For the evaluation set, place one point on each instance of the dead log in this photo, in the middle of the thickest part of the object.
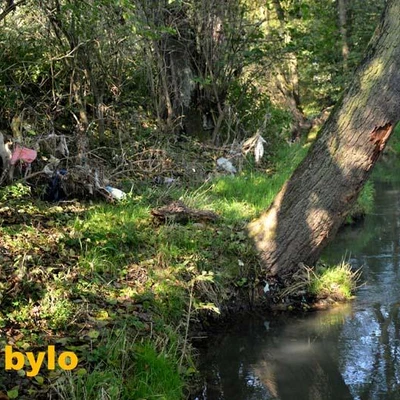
(179, 213)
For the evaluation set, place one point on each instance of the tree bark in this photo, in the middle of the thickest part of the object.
(312, 205)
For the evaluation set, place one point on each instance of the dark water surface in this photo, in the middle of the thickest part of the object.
(350, 352)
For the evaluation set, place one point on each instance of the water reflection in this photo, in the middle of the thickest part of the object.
(350, 352)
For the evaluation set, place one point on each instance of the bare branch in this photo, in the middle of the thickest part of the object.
(11, 6)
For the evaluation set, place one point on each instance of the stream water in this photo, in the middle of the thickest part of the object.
(349, 352)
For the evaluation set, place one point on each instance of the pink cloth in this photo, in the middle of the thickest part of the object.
(24, 154)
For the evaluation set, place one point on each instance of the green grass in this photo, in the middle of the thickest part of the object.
(125, 370)
(244, 196)
(79, 273)
(155, 376)
(337, 282)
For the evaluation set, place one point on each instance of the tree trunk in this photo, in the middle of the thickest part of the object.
(285, 88)
(312, 205)
(342, 10)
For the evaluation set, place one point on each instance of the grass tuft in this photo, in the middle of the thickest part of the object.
(337, 282)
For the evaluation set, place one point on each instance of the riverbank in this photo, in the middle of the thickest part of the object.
(124, 292)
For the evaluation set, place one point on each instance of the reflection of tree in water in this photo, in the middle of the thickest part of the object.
(284, 362)
(227, 369)
(301, 360)
(313, 375)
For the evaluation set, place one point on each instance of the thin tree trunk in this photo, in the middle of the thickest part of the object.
(165, 98)
(286, 77)
(78, 96)
(312, 205)
(342, 9)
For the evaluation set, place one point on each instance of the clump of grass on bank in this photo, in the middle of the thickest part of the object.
(336, 282)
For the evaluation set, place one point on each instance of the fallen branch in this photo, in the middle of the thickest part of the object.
(178, 212)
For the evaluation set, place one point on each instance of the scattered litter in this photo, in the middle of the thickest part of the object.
(24, 154)
(267, 325)
(116, 193)
(266, 288)
(259, 148)
(226, 165)
(63, 147)
(55, 191)
(169, 181)
(48, 171)
(52, 165)
(256, 143)
(159, 180)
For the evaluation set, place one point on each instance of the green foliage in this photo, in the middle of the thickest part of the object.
(252, 106)
(364, 204)
(53, 47)
(16, 191)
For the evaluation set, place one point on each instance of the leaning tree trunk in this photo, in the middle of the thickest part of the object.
(312, 205)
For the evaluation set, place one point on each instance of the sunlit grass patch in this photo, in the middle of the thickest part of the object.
(155, 376)
(337, 282)
(57, 309)
(110, 236)
(246, 195)
(123, 368)
(242, 197)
